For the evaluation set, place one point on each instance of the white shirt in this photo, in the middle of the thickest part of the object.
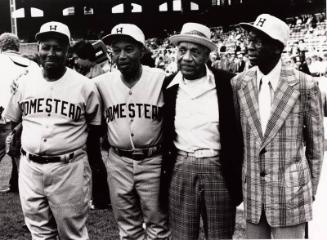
(266, 93)
(273, 76)
(197, 116)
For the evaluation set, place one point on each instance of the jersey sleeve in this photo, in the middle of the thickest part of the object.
(93, 108)
(13, 111)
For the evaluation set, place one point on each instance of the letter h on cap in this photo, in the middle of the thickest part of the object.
(119, 30)
(53, 27)
(261, 22)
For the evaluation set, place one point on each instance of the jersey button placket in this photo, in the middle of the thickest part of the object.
(51, 96)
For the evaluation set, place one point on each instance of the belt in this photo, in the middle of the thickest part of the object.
(139, 153)
(201, 153)
(64, 158)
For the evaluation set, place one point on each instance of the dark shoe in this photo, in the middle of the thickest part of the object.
(101, 206)
(8, 190)
(5, 190)
(98, 206)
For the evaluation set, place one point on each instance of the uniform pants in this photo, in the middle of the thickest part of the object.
(134, 192)
(262, 230)
(198, 190)
(54, 198)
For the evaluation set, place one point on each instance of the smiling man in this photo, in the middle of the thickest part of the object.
(58, 109)
(202, 141)
(133, 101)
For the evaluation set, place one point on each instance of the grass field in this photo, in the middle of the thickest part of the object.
(101, 224)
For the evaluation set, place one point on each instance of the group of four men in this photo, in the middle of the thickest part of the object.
(189, 157)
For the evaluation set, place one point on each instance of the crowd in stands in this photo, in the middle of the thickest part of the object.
(306, 49)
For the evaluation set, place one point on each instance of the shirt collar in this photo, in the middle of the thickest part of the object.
(272, 76)
(178, 79)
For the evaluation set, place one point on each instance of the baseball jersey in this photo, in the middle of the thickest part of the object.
(54, 114)
(133, 115)
(12, 65)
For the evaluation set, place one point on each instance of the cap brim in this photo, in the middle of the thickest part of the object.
(248, 26)
(108, 39)
(43, 35)
(194, 39)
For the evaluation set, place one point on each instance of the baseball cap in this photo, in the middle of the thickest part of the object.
(271, 26)
(125, 29)
(195, 33)
(53, 28)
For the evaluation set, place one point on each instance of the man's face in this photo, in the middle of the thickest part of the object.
(127, 55)
(191, 59)
(53, 53)
(82, 66)
(261, 49)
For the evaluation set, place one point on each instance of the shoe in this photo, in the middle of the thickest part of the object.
(100, 206)
(5, 190)
(93, 206)
(8, 190)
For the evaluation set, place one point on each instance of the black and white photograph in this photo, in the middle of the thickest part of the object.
(163, 119)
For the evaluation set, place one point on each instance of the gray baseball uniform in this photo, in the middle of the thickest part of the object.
(133, 116)
(55, 176)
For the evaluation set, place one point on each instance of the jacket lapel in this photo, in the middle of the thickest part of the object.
(285, 97)
(248, 94)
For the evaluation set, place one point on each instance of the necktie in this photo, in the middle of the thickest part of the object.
(264, 103)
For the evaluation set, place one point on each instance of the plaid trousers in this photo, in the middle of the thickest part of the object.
(198, 189)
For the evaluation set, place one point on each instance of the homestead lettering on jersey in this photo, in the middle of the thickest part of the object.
(49, 105)
(131, 110)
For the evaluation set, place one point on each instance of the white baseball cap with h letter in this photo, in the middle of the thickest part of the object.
(271, 26)
(125, 30)
(56, 28)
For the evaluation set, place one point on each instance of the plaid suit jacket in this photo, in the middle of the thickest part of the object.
(279, 173)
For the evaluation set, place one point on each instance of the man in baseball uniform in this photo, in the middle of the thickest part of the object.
(58, 108)
(133, 101)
